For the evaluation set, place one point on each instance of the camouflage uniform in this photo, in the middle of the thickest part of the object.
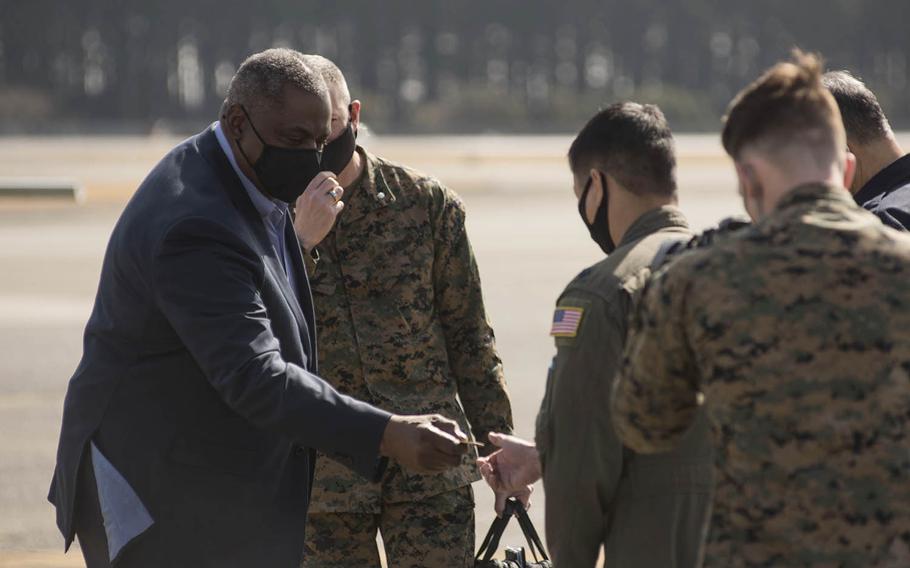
(796, 332)
(648, 510)
(417, 534)
(401, 324)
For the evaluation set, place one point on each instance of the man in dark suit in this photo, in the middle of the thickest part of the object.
(190, 425)
(882, 181)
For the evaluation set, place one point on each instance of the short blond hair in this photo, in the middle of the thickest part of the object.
(787, 106)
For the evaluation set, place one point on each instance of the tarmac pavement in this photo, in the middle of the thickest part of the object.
(522, 222)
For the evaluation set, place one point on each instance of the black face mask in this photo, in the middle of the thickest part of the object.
(600, 228)
(337, 154)
(284, 172)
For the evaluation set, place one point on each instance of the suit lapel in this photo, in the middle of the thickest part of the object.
(209, 147)
(304, 294)
(280, 276)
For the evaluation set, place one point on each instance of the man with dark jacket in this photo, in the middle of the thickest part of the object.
(882, 181)
(190, 425)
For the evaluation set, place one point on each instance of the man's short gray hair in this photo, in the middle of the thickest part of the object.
(261, 79)
(330, 72)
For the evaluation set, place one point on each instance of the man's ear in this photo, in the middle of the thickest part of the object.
(596, 193)
(744, 175)
(849, 169)
(750, 190)
(235, 121)
(354, 109)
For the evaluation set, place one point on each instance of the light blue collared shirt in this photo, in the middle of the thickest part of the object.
(124, 515)
(274, 213)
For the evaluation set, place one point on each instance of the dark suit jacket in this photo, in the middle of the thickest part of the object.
(197, 377)
(887, 194)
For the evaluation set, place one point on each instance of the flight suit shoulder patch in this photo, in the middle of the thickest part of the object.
(568, 318)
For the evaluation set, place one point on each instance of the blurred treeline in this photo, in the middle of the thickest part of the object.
(430, 65)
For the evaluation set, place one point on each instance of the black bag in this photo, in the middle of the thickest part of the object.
(515, 556)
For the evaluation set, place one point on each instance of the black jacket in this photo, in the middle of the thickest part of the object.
(887, 194)
(197, 377)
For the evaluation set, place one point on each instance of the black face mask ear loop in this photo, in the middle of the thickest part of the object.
(256, 132)
(583, 200)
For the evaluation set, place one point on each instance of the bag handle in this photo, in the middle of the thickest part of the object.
(491, 542)
(527, 527)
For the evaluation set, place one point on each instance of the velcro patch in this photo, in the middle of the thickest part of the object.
(566, 320)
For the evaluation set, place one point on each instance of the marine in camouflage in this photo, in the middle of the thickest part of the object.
(437, 531)
(401, 324)
(795, 334)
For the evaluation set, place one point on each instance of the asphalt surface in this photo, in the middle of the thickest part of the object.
(522, 222)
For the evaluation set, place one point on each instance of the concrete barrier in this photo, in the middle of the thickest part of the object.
(42, 188)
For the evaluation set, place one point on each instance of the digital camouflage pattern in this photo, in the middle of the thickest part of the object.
(646, 510)
(796, 333)
(437, 531)
(401, 324)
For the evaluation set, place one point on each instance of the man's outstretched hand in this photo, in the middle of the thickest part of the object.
(511, 470)
(424, 444)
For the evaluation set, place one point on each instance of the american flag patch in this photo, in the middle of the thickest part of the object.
(566, 321)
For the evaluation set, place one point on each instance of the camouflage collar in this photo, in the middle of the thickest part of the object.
(371, 193)
(812, 193)
(654, 220)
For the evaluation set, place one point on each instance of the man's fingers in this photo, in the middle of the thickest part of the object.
(496, 439)
(450, 451)
(335, 192)
(438, 461)
(445, 441)
(525, 497)
(320, 180)
(486, 467)
(446, 426)
(449, 426)
(487, 473)
(500, 506)
(507, 477)
(441, 450)
(450, 454)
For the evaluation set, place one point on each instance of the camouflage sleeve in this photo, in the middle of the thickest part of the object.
(470, 342)
(655, 394)
(310, 260)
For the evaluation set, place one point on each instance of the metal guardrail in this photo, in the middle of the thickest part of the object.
(42, 188)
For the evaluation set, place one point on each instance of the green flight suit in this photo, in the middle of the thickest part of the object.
(647, 510)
